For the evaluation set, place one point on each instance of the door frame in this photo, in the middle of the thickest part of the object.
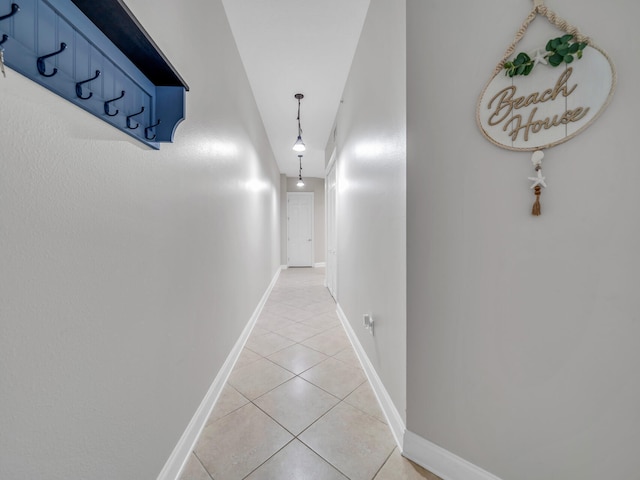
(332, 165)
(308, 194)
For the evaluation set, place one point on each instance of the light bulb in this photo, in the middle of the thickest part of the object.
(299, 145)
(300, 183)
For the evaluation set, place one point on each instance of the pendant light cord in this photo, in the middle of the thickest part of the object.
(299, 128)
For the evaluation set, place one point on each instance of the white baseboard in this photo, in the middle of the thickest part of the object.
(441, 462)
(320, 265)
(394, 420)
(181, 452)
(284, 267)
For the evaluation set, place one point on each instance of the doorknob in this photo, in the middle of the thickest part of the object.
(309, 240)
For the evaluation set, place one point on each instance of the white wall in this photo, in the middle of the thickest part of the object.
(128, 274)
(522, 331)
(315, 185)
(371, 153)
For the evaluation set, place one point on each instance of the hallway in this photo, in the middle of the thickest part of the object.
(297, 404)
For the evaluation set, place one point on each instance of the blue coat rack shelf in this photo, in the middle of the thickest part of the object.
(96, 55)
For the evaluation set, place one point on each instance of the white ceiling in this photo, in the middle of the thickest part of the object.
(297, 46)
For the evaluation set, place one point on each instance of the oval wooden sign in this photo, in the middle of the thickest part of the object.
(549, 106)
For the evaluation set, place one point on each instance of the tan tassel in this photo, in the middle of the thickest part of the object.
(536, 206)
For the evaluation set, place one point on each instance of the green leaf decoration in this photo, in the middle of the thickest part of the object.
(555, 59)
(560, 49)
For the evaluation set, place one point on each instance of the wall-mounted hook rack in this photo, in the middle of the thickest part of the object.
(149, 128)
(106, 105)
(41, 65)
(129, 117)
(79, 86)
(78, 42)
(15, 8)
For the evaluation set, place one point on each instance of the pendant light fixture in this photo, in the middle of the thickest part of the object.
(299, 145)
(300, 182)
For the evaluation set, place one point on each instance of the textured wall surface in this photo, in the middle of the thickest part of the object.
(522, 331)
(126, 274)
(371, 220)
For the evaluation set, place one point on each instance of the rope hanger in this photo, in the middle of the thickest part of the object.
(540, 8)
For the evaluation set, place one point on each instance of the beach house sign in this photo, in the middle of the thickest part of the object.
(549, 106)
(545, 96)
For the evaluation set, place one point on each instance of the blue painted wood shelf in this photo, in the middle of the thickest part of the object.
(96, 55)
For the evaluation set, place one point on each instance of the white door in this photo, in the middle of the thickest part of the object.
(332, 237)
(300, 229)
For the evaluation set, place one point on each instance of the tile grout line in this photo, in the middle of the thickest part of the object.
(298, 375)
(297, 437)
(308, 381)
(340, 400)
(202, 464)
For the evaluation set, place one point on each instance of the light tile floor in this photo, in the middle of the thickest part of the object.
(297, 405)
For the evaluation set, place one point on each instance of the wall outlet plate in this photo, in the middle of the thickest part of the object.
(367, 322)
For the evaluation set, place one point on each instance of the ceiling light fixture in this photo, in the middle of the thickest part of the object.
(300, 182)
(299, 145)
